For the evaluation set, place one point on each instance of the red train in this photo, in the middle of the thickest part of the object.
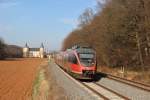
(79, 61)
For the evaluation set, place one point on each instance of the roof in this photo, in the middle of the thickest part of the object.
(42, 46)
(26, 45)
(34, 49)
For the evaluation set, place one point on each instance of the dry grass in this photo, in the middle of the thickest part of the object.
(139, 76)
(40, 87)
(45, 86)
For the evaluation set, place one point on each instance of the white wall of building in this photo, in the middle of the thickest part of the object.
(39, 52)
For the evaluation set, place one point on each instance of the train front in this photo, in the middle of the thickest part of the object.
(87, 61)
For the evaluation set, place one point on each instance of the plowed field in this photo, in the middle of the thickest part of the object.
(17, 77)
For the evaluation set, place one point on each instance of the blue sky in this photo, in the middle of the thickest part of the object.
(37, 21)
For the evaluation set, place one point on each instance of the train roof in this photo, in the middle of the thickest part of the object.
(81, 46)
(81, 49)
(85, 50)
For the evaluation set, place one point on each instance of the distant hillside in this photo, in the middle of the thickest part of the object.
(13, 51)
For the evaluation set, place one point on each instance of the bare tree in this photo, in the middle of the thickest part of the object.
(86, 17)
(120, 32)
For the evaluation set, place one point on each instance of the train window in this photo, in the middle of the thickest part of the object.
(87, 59)
(73, 59)
(84, 55)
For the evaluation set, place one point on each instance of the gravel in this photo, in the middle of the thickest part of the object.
(124, 89)
(75, 92)
(72, 89)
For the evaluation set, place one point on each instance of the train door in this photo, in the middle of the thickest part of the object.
(74, 65)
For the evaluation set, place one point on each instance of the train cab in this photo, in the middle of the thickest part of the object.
(83, 62)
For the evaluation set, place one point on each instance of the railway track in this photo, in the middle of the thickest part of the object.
(102, 93)
(138, 85)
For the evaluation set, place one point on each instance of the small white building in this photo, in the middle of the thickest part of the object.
(33, 52)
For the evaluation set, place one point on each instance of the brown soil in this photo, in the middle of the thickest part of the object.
(16, 78)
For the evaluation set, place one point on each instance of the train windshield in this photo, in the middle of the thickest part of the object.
(87, 59)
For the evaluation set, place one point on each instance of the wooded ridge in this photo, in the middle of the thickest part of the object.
(119, 31)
